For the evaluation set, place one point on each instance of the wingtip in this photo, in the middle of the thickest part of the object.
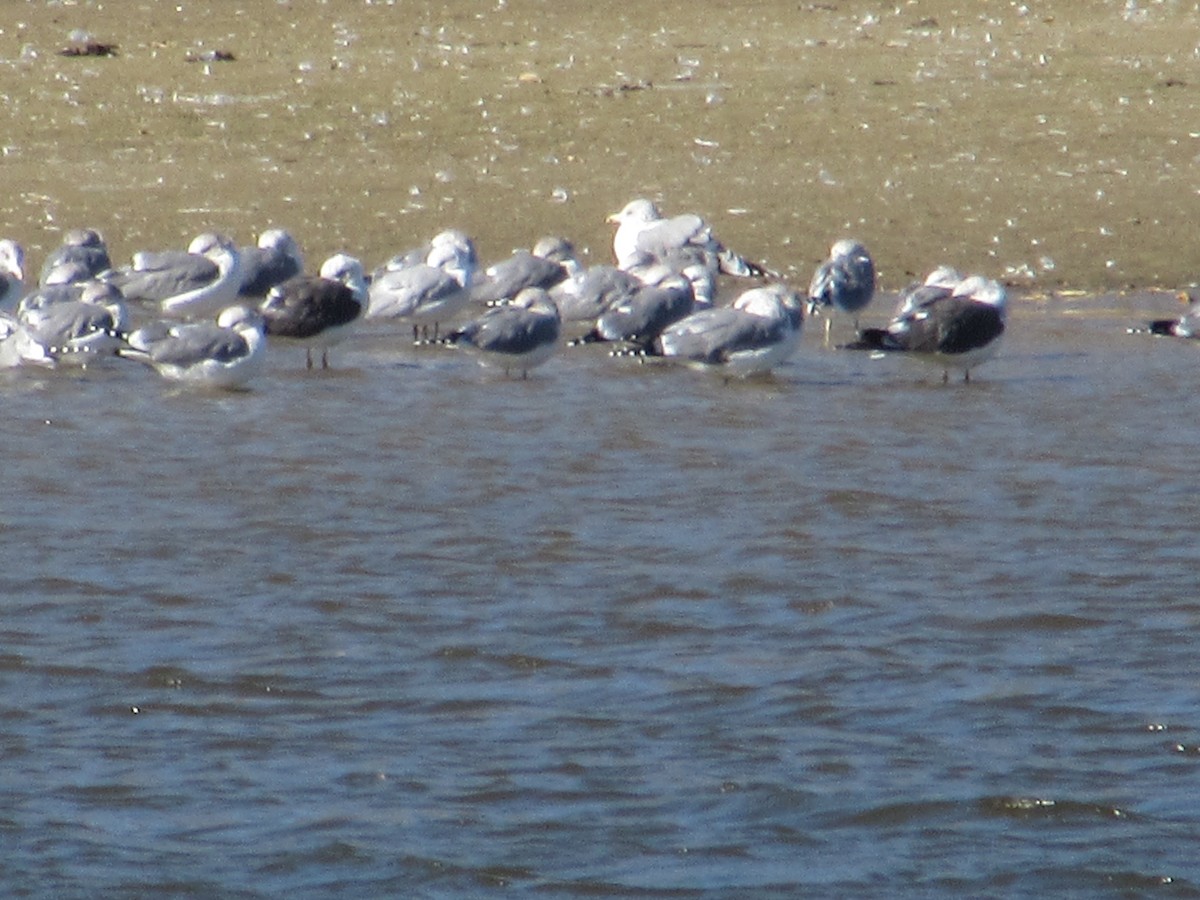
(868, 339)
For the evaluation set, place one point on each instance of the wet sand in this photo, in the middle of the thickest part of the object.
(1050, 145)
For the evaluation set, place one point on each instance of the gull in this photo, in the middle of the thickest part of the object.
(691, 262)
(82, 255)
(518, 336)
(425, 286)
(1184, 326)
(939, 283)
(96, 292)
(588, 293)
(642, 230)
(275, 259)
(758, 332)
(68, 332)
(12, 273)
(317, 311)
(225, 354)
(645, 313)
(451, 250)
(552, 260)
(958, 330)
(845, 281)
(199, 282)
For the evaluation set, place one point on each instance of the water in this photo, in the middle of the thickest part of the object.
(409, 629)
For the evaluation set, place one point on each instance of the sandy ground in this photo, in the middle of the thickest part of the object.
(1048, 144)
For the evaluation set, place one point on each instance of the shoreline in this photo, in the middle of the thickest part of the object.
(997, 140)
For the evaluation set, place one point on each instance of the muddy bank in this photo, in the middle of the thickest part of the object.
(1048, 144)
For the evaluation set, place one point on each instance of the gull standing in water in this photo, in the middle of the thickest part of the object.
(758, 332)
(518, 336)
(225, 354)
(642, 230)
(197, 283)
(958, 330)
(425, 286)
(845, 281)
(318, 311)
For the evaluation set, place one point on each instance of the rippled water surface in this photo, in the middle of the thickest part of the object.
(404, 628)
(407, 629)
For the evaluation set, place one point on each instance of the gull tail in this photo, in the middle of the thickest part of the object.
(1163, 326)
(732, 264)
(1158, 327)
(636, 351)
(869, 339)
(136, 355)
(446, 340)
(592, 337)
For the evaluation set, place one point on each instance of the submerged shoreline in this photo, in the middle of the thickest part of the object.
(1049, 148)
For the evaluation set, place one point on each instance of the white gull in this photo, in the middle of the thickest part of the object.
(643, 230)
(225, 354)
(754, 335)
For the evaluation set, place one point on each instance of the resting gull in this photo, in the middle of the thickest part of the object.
(758, 332)
(588, 293)
(197, 283)
(425, 286)
(642, 230)
(95, 292)
(845, 281)
(959, 330)
(82, 255)
(68, 332)
(644, 313)
(1184, 326)
(552, 261)
(451, 249)
(274, 260)
(518, 336)
(225, 354)
(317, 311)
(12, 273)
(691, 262)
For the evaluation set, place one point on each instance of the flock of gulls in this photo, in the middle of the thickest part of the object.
(206, 315)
